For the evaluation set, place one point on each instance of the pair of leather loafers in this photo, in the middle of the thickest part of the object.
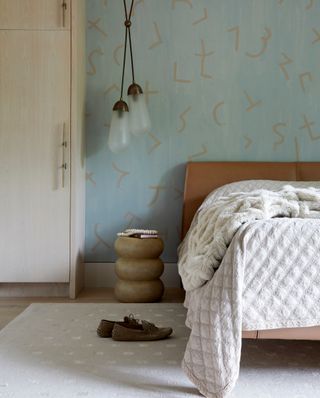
(130, 329)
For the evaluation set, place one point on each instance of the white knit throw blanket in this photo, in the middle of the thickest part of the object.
(213, 228)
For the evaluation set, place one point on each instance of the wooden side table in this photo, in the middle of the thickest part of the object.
(138, 269)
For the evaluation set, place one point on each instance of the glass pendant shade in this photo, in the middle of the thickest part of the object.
(119, 135)
(139, 119)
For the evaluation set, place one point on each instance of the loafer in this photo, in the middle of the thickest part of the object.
(105, 326)
(147, 332)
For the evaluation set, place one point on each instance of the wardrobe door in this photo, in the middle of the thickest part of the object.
(34, 187)
(35, 14)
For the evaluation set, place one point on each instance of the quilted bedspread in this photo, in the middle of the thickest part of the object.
(268, 278)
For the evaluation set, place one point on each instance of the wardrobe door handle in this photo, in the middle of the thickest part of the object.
(64, 10)
(64, 146)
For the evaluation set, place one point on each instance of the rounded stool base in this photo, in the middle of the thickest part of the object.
(139, 291)
(139, 269)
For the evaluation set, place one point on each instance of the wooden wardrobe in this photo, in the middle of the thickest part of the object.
(42, 173)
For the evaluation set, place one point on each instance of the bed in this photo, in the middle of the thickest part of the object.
(201, 179)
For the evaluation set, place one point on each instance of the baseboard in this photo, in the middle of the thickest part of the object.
(34, 290)
(103, 275)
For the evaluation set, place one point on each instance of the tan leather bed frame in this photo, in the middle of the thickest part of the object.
(203, 177)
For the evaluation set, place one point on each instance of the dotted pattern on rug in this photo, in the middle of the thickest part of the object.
(52, 350)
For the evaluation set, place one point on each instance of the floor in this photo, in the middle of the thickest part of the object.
(12, 307)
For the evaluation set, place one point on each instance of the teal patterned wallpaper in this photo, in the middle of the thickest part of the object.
(224, 80)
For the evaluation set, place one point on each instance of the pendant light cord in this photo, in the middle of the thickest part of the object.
(124, 62)
(127, 33)
(130, 44)
(128, 26)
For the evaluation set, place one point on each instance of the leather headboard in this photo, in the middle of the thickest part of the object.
(203, 177)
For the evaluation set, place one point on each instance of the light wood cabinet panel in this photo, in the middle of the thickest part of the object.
(35, 14)
(42, 95)
(34, 111)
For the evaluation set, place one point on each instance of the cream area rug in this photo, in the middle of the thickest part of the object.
(52, 350)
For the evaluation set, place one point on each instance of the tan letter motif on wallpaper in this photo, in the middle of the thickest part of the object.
(158, 189)
(264, 39)
(147, 92)
(133, 220)
(115, 53)
(216, 107)
(252, 103)
(281, 136)
(95, 25)
(283, 65)
(182, 118)
(93, 70)
(89, 177)
(317, 34)
(302, 76)
(236, 29)
(309, 5)
(173, 5)
(203, 55)
(196, 155)
(99, 239)
(158, 40)
(156, 144)
(202, 19)
(179, 193)
(248, 142)
(122, 173)
(135, 6)
(114, 87)
(308, 125)
(175, 78)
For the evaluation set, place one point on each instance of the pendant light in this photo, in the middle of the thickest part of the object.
(135, 117)
(138, 116)
(119, 134)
